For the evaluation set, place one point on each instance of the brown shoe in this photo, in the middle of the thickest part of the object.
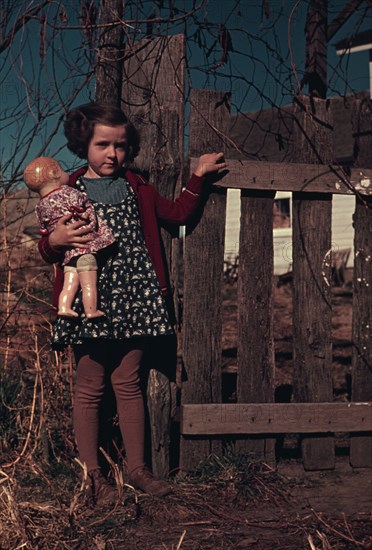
(99, 490)
(143, 479)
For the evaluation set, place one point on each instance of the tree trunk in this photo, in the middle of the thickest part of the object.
(110, 52)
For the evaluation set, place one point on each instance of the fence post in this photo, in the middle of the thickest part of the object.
(203, 278)
(312, 311)
(153, 98)
(256, 359)
(361, 445)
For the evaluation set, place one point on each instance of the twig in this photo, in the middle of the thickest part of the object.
(102, 520)
(83, 485)
(311, 543)
(236, 519)
(181, 540)
(189, 523)
(342, 535)
(127, 22)
(118, 475)
(347, 525)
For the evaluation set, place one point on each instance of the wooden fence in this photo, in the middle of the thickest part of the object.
(313, 184)
(154, 97)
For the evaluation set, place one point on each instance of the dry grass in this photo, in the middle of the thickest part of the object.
(231, 502)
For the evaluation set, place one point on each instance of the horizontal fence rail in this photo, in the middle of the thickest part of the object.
(296, 177)
(272, 418)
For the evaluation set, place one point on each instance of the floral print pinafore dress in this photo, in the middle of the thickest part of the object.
(128, 289)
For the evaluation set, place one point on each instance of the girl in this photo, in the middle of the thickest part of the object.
(132, 283)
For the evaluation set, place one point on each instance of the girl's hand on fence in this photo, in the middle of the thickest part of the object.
(212, 162)
(72, 235)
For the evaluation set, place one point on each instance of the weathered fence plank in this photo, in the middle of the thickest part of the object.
(361, 445)
(256, 362)
(274, 418)
(203, 278)
(296, 177)
(312, 313)
(153, 98)
(153, 88)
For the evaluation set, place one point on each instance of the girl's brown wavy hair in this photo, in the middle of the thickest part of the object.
(80, 122)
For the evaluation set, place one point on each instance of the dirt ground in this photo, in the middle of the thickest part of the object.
(231, 502)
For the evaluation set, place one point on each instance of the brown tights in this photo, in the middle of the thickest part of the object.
(96, 362)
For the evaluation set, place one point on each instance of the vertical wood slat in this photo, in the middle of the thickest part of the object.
(152, 95)
(203, 279)
(256, 360)
(361, 445)
(153, 98)
(312, 312)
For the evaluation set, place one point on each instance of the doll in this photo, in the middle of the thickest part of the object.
(45, 176)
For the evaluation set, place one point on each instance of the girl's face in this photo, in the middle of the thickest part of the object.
(107, 151)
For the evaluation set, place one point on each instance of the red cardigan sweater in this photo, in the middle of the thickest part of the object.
(153, 209)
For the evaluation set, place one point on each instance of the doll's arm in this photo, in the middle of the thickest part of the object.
(49, 253)
(83, 209)
(43, 230)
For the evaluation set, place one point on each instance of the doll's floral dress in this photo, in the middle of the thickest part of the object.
(128, 289)
(66, 200)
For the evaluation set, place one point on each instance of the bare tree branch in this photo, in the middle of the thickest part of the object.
(342, 17)
(20, 23)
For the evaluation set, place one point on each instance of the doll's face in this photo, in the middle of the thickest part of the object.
(44, 172)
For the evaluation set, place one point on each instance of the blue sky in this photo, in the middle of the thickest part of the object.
(276, 46)
(264, 68)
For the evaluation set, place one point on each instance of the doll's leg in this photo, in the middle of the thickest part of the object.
(68, 293)
(87, 270)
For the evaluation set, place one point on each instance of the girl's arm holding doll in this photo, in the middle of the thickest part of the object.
(76, 234)
(65, 235)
